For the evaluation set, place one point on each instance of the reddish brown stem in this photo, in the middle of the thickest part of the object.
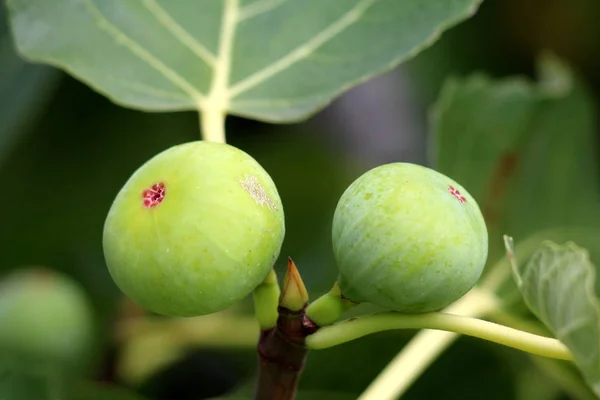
(282, 354)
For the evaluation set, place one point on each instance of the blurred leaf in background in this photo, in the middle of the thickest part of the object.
(525, 151)
(25, 90)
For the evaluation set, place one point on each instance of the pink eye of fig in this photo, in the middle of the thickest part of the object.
(456, 193)
(155, 195)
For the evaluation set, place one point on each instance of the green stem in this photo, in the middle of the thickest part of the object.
(266, 300)
(214, 109)
(351, 329)
(212, 121)
(329, 308)
(503, 317)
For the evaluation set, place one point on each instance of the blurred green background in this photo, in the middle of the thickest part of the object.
(65, 151)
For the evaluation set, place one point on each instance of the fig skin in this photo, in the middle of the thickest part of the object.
(208, 243)
(408, 238)
(45, 315)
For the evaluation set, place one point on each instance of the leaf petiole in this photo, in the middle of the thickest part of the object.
(212, 124)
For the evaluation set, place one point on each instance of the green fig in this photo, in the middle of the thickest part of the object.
(408, 238)
(44, 315)
(194, 230)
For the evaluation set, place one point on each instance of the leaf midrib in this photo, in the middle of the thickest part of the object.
(221, 94)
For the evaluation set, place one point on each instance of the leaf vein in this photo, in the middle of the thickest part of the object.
(150, 90)
(304, 50)
(257, 8)
(567, 329)
(141, 52)
(166, 20)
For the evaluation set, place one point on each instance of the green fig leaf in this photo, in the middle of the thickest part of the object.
(273, 60)
(558, 286)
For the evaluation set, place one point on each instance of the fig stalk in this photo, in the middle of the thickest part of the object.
(266, 297)
(355, 328)
(329, 308)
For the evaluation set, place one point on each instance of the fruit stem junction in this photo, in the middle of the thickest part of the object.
(281, 349)
(355, 328)
(329, 308)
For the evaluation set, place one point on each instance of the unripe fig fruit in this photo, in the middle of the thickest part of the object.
(194, 230)
(408, 238)
(44, 314)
